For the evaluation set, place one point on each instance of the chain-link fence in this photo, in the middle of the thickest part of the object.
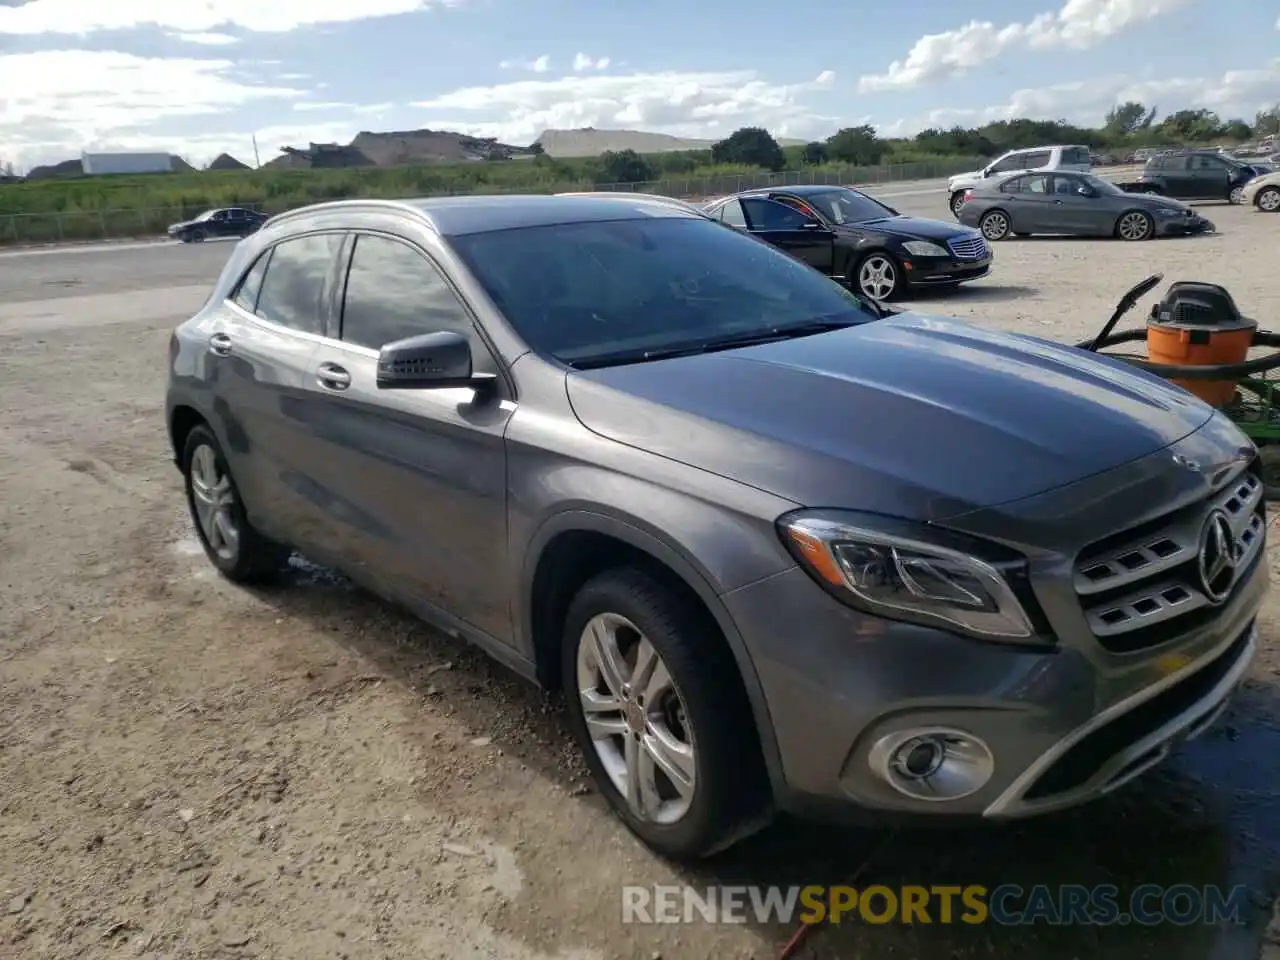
(24, 228)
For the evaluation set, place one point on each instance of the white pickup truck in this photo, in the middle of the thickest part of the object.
(1073, 157)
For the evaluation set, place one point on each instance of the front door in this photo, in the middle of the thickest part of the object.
(1030, 204)
(1071, 211)
(416, 478)
(1212, 177)
(788, 229)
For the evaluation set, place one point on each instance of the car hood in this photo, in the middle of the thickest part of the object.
(910, 416)
(959, 177)
(911, 228)
(1266, 180)
(1155, 202)
(179, 225)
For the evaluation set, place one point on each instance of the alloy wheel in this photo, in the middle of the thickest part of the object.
(1236, 194)
(957, 201)
(995, 226)
(636, 718)
(214, 500)
(878, 277)
(1269, 200)
(1133, 226)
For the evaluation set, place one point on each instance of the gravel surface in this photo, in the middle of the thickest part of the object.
(192, 770)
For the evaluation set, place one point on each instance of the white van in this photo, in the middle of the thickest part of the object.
(1073, 157)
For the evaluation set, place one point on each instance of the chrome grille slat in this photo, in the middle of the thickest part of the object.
(1160, 568)
(968, 248)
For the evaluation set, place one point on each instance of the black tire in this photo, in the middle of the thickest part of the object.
(1135, 225)
(884, 263)
(731, 799)
(255, 558)
(1271, 203)
(196, 236)
(956, 202)
(995, 225)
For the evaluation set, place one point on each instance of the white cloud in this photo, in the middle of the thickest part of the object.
(683, 104)
(275, 16)
(59, 102)
(583, 62)
(538, 65)
(208, 39)
(1078, 25)
(1236, 93)
(310, 105)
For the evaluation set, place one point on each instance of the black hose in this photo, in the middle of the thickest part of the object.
(1220, 371)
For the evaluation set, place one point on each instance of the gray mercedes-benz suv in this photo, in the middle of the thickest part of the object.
(780, 548)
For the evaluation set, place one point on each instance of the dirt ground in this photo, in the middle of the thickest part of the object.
(192, 770)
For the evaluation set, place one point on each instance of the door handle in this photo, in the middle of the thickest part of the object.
(220, 344)
(1057, 203)
(333, 377)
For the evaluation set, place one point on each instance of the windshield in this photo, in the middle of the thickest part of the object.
(847, 206)
(586, 291)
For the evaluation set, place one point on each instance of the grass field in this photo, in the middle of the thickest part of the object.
(90, 208)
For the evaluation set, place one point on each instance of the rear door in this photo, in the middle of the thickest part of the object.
(416, 479)
(264, 341)
(1030, 203)
(788, 229)
(1173, 171)
(1070, 211)
(1211, 177)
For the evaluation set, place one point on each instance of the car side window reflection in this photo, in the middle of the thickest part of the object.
(246, 296)
(731, 213)
(293, 291)
(393, 291)
(771, 215)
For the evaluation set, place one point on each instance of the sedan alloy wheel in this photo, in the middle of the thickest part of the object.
(1268, 200)
(995, 225)
(636, 718)
(1236, 194)
(878, 276)
(1135, 225)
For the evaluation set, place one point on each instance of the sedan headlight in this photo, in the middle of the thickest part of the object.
(1170, 212)
(923, 248)
(899, 571)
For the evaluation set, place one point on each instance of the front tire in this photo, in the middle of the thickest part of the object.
(878, 276)
(231, 543)
(1268, 200)
(1236, 195)
(956, 202)
(1135, 225)
(196, 236)
(995, 225)
(663, 723)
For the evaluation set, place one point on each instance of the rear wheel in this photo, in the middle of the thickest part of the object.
(878, 276)
(230, 541)
(662, 721)
(995, 225)
(1135, 225)
(1268, 200)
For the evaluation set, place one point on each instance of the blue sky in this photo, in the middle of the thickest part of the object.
(198, 77)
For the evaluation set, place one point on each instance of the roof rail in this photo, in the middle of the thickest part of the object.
(359, 204)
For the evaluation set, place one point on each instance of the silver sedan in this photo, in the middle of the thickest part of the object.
(1074, 204)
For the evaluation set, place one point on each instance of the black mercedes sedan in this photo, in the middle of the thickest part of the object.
(856, 239)
(225, 222)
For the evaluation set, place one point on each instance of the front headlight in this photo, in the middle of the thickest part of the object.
(1170, 212)
(923, 248)
(889, 568)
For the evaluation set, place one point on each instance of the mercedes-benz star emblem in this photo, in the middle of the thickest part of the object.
(1218, 557)
(1192, 465)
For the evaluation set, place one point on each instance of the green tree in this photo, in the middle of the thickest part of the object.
(858, 146)
(625, 166)
(1128, 117)
(751, 146)
(1191, 126)
(1237, 130)
(1267, 122)
(814, 154)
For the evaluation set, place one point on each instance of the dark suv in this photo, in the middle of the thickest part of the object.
(1194, 175)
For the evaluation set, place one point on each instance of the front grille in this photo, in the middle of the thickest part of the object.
(1144, 586)
(968, 248)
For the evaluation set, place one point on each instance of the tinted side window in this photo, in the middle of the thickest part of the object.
(731, 213)
(1012, 162)
(1038, 184)
(293, 291)
(1205, 162)
(1039, 159)
(1012, 186)
(246, 296)
(1076, 155)
(1169, 163)
(393, 292)
(771, 215)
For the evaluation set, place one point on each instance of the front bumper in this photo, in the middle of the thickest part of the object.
(1183, 226)
(1064, 724)
(942, 271)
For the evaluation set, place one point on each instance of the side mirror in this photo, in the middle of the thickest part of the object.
(988, 172)
(430, 360)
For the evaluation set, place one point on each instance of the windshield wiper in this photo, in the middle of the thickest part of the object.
(771, 335)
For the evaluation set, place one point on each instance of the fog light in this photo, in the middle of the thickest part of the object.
(936, 763)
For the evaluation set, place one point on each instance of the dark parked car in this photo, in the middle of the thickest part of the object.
(857, 239)
(1075, 204)
(227, 222)
(777, 549)
(1193, 175)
